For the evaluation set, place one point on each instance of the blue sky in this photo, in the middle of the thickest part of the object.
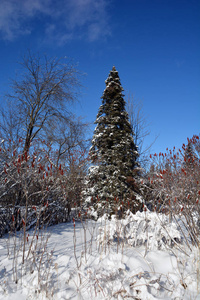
(154, 44)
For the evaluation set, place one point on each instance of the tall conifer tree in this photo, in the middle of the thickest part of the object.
(189, 156)
(113, 154)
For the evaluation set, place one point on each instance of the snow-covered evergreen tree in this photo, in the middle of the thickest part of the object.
(112, 177)
(189, 156)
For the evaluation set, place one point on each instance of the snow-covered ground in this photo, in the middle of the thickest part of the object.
(141, 257)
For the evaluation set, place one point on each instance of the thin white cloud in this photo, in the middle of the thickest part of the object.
(8, 21)
(15, 13)
(63, 19)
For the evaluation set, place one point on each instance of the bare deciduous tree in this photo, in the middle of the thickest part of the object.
(42, 95)
(38, 113)
(140, 128)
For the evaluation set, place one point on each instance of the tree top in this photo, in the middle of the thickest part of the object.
(114, 69)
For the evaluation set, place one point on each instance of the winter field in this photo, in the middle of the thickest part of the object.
(142, 256)
(48, 176)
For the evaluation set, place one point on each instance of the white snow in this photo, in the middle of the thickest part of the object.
(112, 259)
